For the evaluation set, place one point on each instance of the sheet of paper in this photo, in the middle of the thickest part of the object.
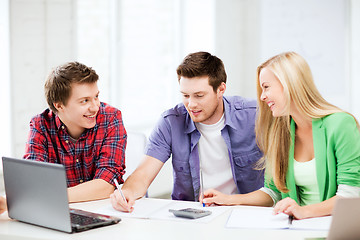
(319, 223)
(159, 209)
(257, 217)
(143, 208)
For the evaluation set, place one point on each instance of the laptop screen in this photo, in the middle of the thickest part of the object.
(36, 193)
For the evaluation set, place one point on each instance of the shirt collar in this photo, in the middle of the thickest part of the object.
(58, 122)
(190, 125)
(227, 110)
(60, 125)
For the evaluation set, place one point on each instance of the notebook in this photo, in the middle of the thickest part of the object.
(36, 193)
(253, 217)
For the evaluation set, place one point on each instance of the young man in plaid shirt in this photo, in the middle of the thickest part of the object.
(80, 132)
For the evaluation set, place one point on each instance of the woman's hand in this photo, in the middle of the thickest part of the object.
(3, 207)
(290, 207)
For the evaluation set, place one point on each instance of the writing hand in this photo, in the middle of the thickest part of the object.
(118, 202)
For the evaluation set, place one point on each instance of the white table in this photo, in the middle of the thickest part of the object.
(131, 228)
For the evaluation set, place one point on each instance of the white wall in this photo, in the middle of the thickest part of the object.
(5, 119)
(354, 55)
(237, 43)
(40, 38)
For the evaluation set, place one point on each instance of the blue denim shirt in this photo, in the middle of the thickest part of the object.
(176, 135)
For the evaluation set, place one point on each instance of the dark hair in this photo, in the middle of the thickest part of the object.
(58, 82)
(203, 64)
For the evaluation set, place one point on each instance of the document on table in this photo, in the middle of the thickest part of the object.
(150, 208)
(263, 218)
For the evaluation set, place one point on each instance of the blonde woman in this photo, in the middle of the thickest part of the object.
(311, 147)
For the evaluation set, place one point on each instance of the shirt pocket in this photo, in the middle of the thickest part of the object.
(245, 166)
(181, 168)
(183, 188)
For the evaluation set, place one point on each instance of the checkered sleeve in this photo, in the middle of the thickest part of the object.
(111, 164)
(36, 145)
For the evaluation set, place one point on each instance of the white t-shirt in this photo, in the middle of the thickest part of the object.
(306, 182)
(214, 158)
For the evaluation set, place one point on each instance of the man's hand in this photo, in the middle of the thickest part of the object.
(119, 203)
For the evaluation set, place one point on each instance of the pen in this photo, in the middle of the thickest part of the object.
(291, 218)
(202, 187)
(119, 189)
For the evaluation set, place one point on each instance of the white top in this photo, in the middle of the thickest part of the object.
(306, 182)
(214, 158)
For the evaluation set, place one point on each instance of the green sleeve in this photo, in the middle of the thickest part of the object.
(269, 182)
(345, 140)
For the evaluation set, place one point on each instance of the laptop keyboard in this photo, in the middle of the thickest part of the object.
(83, 220)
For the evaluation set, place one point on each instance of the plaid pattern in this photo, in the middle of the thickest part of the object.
(99, 153)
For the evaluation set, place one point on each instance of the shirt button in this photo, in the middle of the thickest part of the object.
(66, 141)
(77, 160)
(63, 127)
(81, 180)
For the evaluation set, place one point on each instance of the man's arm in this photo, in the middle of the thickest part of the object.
(109, 166)
(137, 184)
(91, 190)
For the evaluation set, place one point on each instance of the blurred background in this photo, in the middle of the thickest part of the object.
(136, 45)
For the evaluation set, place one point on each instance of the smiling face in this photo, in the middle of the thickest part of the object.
(272, 92)
(81, 109)
(202, 103)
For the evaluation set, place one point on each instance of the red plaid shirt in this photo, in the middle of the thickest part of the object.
(99, 153)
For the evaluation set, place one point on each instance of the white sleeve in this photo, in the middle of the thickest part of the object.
(274, 195)
(348, 191)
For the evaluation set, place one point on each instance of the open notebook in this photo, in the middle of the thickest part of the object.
(343, 224)
(263, 218)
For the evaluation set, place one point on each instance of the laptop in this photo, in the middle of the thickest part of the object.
(36, 193)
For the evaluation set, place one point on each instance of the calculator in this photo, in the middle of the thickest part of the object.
(190, 213)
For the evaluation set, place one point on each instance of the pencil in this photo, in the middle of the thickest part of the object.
(119, 189)
(202, 187)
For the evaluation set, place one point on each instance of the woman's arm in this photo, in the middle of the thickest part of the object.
(290, 207)
(256, 198)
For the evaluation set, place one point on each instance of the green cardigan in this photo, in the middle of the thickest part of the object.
(336, 141)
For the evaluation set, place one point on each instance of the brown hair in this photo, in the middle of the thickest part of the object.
(203, 64)
(58, 82)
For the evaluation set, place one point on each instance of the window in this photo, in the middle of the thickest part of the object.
(133, 49)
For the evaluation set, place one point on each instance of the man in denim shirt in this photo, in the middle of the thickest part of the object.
(210, 138)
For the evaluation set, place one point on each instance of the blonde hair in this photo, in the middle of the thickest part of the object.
(273, 133)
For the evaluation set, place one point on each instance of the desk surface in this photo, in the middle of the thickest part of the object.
(131, 228)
